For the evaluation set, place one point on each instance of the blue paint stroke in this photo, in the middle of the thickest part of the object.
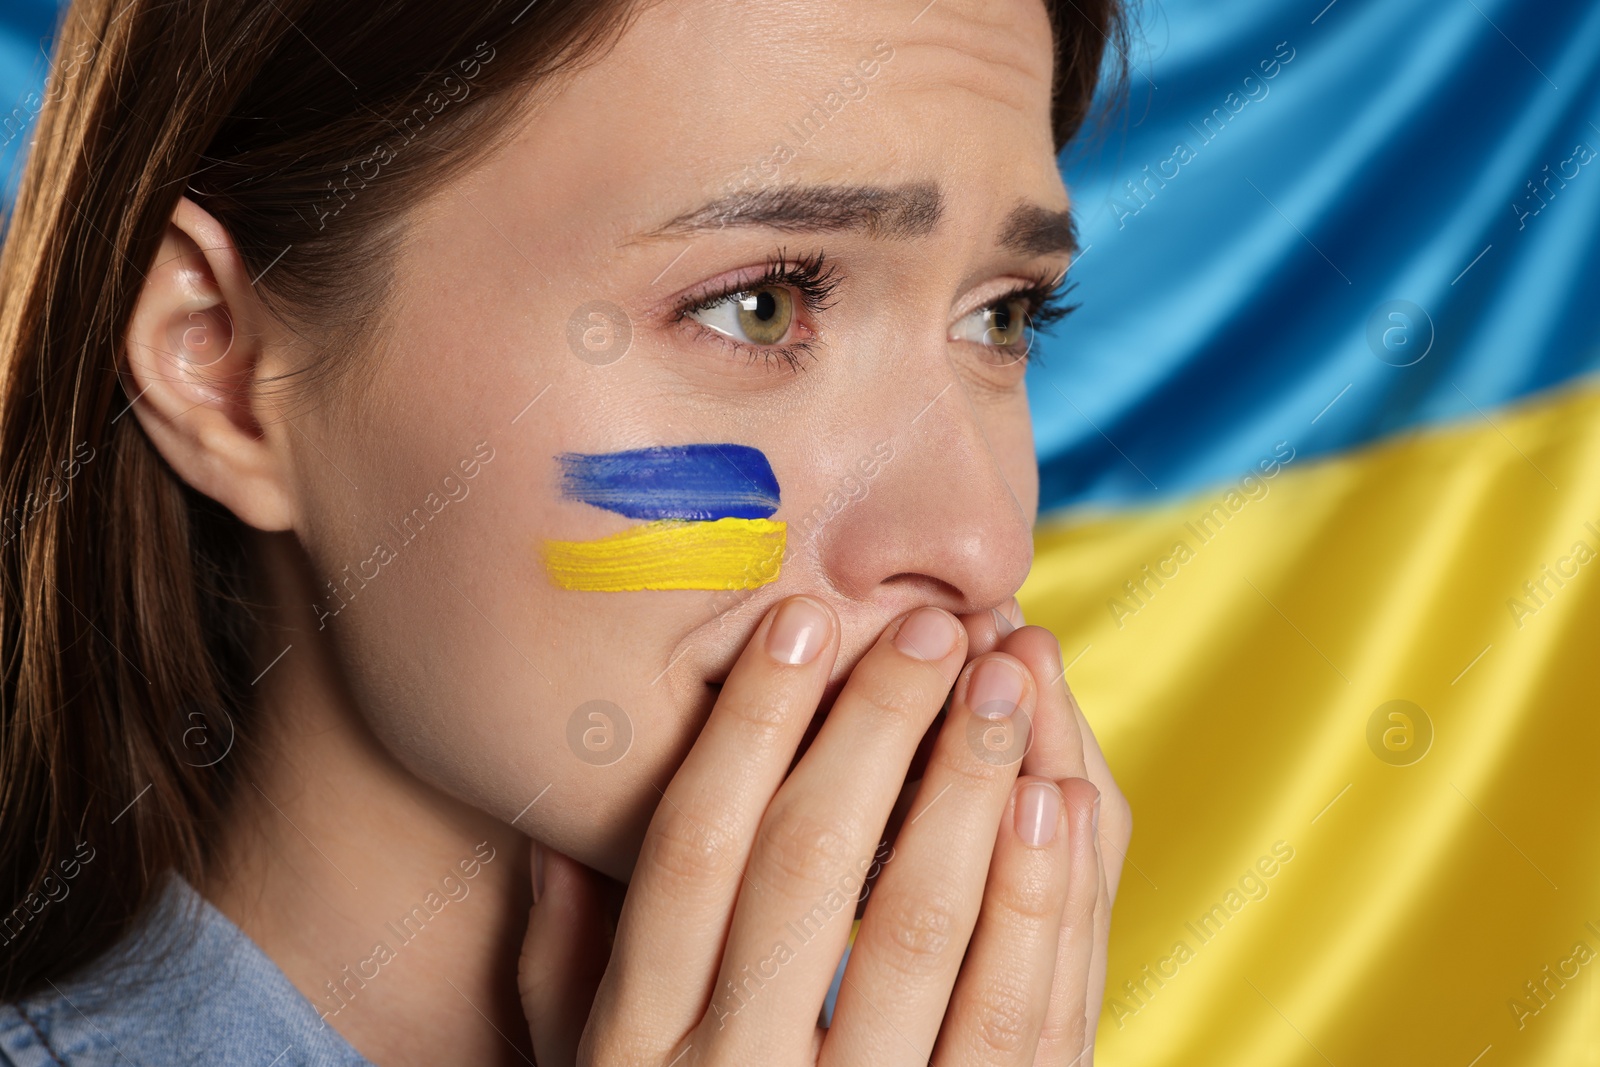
(700, 482)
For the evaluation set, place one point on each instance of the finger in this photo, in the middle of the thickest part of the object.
(563, 955)
(1114, 832)
(691, 863)
(1066, 746)
(922, 910)
(1068, 1028)
(1094, 1000)
(1116, 818)
(818, 839)
(1003, 992)
(1057, 750)
(986, 629)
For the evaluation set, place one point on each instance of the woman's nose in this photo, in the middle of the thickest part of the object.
(939, 522)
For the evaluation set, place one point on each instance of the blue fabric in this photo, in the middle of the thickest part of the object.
(1224, 310)
(831, 1001)
(187, 987)
(26, 27)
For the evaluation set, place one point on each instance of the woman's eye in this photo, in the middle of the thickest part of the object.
(762, 316)
(1001, 325)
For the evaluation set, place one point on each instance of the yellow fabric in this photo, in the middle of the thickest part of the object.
(1234, 707)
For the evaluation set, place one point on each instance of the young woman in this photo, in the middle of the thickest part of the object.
(511, 515)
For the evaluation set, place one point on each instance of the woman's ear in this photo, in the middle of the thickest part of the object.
(193, 358)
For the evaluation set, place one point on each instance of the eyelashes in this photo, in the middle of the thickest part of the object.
(753, 316)
(811, 276)
(1045, 300)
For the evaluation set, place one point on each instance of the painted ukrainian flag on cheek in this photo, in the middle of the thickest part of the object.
(708, 507)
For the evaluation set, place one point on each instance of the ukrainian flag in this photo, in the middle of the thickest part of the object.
(709, 506)
(1321, 530)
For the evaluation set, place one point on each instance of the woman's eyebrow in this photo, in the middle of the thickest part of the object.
(1032, 230)
(908, 210)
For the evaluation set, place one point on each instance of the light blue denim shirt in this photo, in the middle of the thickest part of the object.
(185, 987)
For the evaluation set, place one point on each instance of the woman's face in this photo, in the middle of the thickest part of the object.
(538, 312)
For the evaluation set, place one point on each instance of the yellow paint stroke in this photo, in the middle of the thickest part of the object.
(723, 554)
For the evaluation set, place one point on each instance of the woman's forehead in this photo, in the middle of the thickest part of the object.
(697, 112)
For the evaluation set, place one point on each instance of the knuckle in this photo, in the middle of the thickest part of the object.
(689, 853)
(955, 757)
(616, 1044)
(917, 933)
(761, 717)
(1081, 906)
(1061, 1036)
(1028, 901)
(895, 698)
(1001, 1017)
(795, 848)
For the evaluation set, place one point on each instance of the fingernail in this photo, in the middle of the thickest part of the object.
(995, 689)
(1002, 625)
(799, 631)
(1016, 612)
(927, 634)
(1038, 806)
(538, 872)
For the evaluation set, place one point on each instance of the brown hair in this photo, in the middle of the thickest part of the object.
(126, 624)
